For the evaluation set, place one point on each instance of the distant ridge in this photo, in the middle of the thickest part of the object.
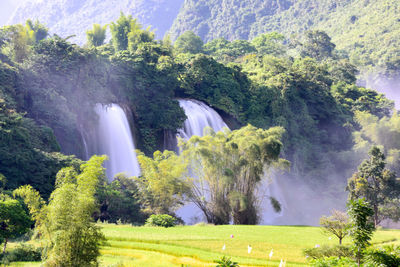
(368, 30)
(74, 17)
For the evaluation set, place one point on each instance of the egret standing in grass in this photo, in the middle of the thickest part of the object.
(249, 248)
(223, 247)
(271, 253)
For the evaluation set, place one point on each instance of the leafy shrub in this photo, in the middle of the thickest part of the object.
(226, 262)
(163, 220)
(22, 253)
(333, 262)
(388, 256)
(328, 251)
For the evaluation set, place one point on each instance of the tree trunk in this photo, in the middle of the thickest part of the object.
(5, 245)
(376, 221)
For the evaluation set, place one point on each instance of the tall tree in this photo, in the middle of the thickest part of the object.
(189, 42)
(269, 43)
(138, 36)
(317, 45)
(163, 182)
(120, 30)
(66, 223)
(361, 228)
(374, 183)
(119, 201)
(14, 221)
(36, 30)
(230, 166)
(97, 35)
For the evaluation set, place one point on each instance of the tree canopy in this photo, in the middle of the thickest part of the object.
(230, 166)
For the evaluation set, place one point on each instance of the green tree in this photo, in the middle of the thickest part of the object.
(120, 30)
(269, 44)
(317, 45)
(361, 226)
(119, 201)
(137, 37)
(17, 42)
(374, 183)
(97, 35)
(18, 39)
(36, 30)
(336, 224)
(188, 42)
(14, 221)
(163, 182)
(229, 167)
(65, 223)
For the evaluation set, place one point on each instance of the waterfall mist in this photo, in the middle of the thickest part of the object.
(114, 139)
(388, 85)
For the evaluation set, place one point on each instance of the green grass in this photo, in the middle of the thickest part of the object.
(197, 246)
(201, 245)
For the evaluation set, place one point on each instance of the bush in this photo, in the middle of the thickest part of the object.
(22, 253)
(388, 256)
(226, 262)
(328, 251)
(333, 262)
(163, 220)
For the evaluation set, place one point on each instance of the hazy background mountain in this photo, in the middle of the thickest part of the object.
(368, 30)
(74, 17)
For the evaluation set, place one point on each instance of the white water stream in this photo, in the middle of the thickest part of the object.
(115, 140)
(199, 116)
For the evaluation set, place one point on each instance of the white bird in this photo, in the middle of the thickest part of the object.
(271, 253)
(281, 264)
(249, 248)
(317, 246)
(223, 247)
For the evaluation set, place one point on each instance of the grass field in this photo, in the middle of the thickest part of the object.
(201, 245)
(197, 246)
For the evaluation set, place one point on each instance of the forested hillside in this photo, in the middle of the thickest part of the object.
(73, 17)
(367, 30)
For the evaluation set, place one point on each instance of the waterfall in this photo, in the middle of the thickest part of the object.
(85, 146)
(115, 140)
(199, 116)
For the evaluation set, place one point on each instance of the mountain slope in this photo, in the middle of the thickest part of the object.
(368, 30)
(74, 17)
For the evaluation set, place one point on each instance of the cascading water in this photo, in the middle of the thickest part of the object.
(199, 116)
(115, 140)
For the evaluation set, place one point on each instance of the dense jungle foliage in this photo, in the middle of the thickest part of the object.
(366, 30)
(49, 87)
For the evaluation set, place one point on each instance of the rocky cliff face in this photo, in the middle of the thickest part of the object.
(74, 17)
